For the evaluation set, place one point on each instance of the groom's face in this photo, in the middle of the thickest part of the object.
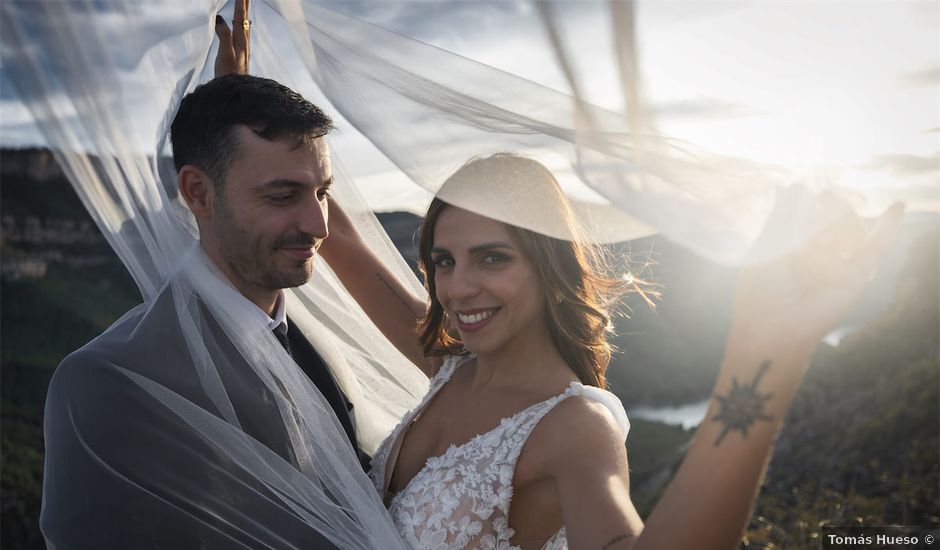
(270, 215)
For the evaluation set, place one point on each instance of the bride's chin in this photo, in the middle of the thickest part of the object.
(474, 345)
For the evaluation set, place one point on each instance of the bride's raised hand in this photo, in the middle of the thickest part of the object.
(782, 309)
(804, 295)
(234, 44)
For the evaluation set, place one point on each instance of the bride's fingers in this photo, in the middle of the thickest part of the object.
(820, 271)
(843, 238)
(886, 230)
(241, 9)
(225, 35)
(241, 32)
(225, 57)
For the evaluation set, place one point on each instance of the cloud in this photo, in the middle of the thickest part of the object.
(431, 21)
(926, 77)
(702, 108)
(7, 89)
(910, 165)
(20, 135)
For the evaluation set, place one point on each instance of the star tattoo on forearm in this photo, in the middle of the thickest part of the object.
(742, 406)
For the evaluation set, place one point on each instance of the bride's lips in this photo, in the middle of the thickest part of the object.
(472, 320)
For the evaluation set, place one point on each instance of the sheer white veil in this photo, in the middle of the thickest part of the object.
(79, 67)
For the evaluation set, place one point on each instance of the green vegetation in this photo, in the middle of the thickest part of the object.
(21, 454)
(83, 290)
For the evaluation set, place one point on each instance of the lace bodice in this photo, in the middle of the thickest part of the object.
(461, 498)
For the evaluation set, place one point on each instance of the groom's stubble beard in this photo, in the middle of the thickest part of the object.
(254, 257)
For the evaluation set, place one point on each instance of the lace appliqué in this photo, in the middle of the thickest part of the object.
(461, 498)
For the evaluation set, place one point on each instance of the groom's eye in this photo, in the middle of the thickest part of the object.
(281, 198)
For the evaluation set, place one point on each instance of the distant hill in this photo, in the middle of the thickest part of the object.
(402, 229)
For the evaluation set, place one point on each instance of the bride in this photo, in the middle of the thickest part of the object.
(517, 444)
(516, 436)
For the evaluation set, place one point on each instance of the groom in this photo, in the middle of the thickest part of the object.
(254, 169)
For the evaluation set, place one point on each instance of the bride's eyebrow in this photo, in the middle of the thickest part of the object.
(478, 248)
(491, 246)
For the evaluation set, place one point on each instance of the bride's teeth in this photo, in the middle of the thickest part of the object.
(475, 318)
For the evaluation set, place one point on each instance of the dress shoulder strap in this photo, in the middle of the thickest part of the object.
(450, 364)
(609, 400)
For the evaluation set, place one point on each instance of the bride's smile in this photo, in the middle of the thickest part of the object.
(469, 321)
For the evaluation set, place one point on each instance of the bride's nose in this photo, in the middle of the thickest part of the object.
(464, 283)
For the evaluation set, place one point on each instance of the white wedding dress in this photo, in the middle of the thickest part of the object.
(461, 498)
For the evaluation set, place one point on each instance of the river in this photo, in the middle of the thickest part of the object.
(688, 415)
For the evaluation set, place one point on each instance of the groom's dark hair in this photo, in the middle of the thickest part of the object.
(202, 131)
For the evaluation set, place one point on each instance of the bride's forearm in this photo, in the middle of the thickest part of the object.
(389, 304)
(710, 500)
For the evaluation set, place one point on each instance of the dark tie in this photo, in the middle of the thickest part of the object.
(280, 332)
(316, 370)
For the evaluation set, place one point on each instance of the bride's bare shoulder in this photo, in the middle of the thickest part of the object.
(582, 420)
(578, 432)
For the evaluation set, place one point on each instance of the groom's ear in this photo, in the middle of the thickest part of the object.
(196, 188)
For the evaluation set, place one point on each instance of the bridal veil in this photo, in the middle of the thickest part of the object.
(85, 69)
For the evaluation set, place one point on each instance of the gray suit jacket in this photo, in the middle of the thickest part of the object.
(98, 421)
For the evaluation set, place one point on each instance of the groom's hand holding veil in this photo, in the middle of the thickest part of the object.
(235, 43)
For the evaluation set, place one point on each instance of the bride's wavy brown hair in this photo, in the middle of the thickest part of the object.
(579, 293)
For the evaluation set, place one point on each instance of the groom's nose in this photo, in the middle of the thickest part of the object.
(313, 219)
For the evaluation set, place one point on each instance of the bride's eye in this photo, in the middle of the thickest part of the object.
(495, 258)
(443, 262)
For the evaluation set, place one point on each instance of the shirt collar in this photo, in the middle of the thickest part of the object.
(280, 312)
(280, 306)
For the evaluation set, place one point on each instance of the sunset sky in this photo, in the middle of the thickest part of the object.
(842, 91)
